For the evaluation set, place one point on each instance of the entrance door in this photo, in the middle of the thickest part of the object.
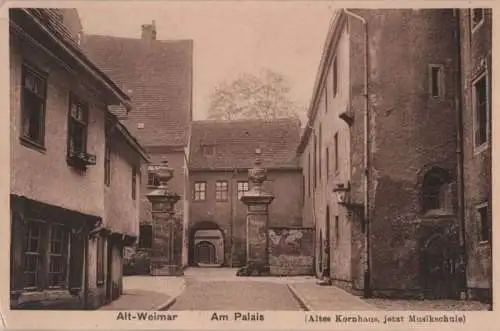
(440, 259)
(205, 252)
(109, 273)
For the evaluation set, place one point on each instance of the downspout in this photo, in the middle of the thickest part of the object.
(366, 217)
(460, 156)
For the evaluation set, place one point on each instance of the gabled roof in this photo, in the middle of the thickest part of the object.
(158, 76)
(227, 145)
(46, 26)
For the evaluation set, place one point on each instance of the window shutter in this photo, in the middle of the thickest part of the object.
(76, 262)
(17, 241)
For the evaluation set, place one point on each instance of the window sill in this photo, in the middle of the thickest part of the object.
(32, 144)
(484, 243)
(481, 148)
(45, 295)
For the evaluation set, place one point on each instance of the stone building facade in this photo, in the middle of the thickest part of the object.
(157, 75)
(475, 32)
(74, 197)
(382, 124)
(221, 152)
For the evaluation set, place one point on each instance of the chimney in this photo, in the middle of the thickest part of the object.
(148, 31)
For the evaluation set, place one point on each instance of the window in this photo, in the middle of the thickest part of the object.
(434, 187)
(200, 189)
(107, 154)
(77, 126)
(315, 160)
(320, 150)
(336, 151)
(477, 17)
(327, 159)
(436, 85)
(45, 261)
(33, 256)
(334, 77)
(58, 252)
(145, 236)
(134, 182)
(33, 101)
(337, 231)
(481, 111)
(484, 222)
(221, 191)
(100, 260)
(309, 174)
(153, 179)
(208, 150)
(242, 188)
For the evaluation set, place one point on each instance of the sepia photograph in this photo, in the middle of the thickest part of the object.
(241, 157)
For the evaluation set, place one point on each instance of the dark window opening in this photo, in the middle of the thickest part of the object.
(336, 151)
(436, 81)
(477, 15)
(434, 182)
(100, 260)
(484, 224)
(77, 126)
(134, 183)
(146, 236)
(327, 159)
(33, 102)
(481, 112)
(335, 77)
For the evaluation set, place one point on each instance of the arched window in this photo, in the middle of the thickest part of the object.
(434, 189)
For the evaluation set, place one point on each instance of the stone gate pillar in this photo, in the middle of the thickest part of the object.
(257, 237)
(164, 261)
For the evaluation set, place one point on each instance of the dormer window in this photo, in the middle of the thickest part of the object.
(208, 150)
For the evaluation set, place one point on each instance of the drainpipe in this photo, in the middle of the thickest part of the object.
(460, 156)
(367, 278)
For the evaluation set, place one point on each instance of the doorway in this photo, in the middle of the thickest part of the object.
(109, 273)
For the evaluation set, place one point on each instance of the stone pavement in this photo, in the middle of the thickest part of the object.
(147, 293)
(429, 305)
(327, 298)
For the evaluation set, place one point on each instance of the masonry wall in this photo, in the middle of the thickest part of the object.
(410, 131)
(65, 187)
(291, 251)
(230, 216)
(476, 59)
(121, 209)
(333, 227)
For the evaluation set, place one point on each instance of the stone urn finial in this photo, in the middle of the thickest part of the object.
(162, 199)
(257, 174)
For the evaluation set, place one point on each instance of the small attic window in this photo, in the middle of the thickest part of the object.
(208, 150)
(140, 125)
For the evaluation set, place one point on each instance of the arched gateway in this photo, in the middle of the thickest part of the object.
(206, 245)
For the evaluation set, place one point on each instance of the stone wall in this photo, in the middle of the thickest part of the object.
(291, 251)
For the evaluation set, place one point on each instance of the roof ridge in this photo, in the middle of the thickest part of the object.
(162, 41)
(249, 120)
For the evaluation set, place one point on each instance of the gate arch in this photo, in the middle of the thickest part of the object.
(206, 244)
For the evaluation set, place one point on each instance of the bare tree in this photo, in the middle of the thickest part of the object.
(265, 96)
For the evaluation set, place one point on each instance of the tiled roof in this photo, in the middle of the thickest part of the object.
(53, 19)
(158, 76)
(220, 145)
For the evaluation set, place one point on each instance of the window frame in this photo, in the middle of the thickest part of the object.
(476, 26)
(152, 176)
(484, 145)
(45, 254)
(221, 191)
(240, 192)
(478, 207)
(75, 100)
(336, 163)
(107, 153)
(140, 243)
(42, 97)
(100, 260)
(199, 189)
(440, 81)
(134, 183)
(335, 77)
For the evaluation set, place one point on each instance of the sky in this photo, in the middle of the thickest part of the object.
(230, 37)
